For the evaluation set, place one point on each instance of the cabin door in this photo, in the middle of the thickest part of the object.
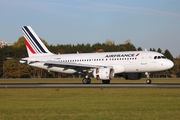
(144, 59)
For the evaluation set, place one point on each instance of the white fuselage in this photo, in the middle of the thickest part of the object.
(121, 62)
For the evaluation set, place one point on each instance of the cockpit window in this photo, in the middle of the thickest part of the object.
(159, 57)
(163, 57)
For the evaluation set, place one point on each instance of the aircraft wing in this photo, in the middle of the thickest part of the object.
(70, 65)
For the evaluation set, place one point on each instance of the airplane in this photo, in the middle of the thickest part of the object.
(102, 66)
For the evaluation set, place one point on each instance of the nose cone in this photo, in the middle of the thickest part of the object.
(169, 64)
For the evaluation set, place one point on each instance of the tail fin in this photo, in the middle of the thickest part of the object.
(34, 45)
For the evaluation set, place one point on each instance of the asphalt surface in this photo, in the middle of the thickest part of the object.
(89, 85)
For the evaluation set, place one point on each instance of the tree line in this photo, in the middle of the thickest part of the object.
(11, 68)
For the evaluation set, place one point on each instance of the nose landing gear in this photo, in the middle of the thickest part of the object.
(148, 81)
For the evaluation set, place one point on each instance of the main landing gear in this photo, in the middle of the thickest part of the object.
(148, 81)
(86, 80)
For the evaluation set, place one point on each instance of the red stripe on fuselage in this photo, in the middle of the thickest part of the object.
(29, 46)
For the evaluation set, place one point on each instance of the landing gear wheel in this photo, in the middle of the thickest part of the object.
(148, 81)
(86, 81)
(105, 81)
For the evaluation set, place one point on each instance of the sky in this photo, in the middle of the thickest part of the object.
(147, 23)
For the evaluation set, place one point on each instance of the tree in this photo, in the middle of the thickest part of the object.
(139, 49)
(159, 50)
(96, 46)
(13, 69)
(168, 55)
(152, 49)
(19, 43)
(176, 68)
(130, 47)
(109, 42)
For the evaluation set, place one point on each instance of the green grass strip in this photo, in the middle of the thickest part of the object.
(90, 104)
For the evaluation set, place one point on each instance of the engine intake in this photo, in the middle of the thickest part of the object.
(103, 73)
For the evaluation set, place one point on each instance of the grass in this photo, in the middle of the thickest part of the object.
(90, 103)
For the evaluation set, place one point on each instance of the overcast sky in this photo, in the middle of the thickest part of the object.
(147, 23)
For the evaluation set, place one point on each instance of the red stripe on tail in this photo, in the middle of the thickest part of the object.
(29, 46)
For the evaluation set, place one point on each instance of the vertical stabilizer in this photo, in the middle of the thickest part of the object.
(34, 45)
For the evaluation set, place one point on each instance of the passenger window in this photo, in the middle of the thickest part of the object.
(159, 57)
(155, 57)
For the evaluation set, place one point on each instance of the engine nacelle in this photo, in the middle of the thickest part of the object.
(103, 73)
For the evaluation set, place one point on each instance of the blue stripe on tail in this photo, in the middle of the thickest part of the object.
(35, 40)
(29, 38)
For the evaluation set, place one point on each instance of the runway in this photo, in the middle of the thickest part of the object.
(89, 85)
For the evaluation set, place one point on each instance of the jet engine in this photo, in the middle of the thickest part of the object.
(103, 73)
